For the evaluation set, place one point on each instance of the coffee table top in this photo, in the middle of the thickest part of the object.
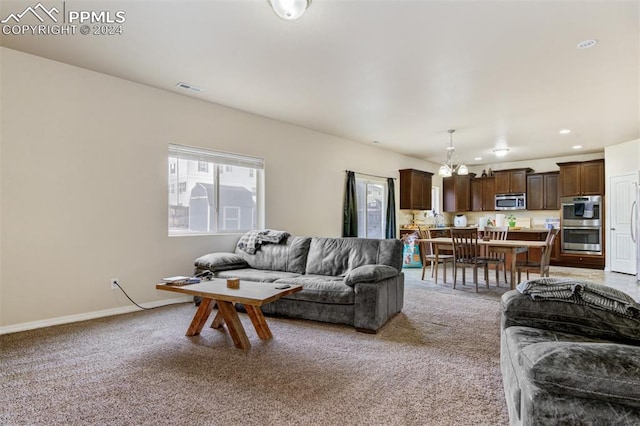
(249, 293)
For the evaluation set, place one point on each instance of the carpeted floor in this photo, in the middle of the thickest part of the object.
(436, 363)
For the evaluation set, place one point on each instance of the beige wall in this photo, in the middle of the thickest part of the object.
(84, 184)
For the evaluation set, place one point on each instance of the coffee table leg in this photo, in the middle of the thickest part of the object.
(228, 312)
(200, 318)
(259, 322)
(218, 321)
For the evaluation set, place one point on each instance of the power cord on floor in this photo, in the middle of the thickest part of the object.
(132, 301)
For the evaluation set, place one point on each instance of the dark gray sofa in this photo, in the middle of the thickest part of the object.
(352, 281)
(568, 361)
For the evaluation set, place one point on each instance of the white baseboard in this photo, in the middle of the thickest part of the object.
(89, 315)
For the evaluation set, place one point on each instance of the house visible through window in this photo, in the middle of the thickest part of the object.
(217, 192)
(372, 206)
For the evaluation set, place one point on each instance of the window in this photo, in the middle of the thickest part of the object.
(435, 199)
(372, 206)
(218, 192)
(231, 217)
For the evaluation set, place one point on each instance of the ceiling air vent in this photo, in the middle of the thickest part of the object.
(189, 87)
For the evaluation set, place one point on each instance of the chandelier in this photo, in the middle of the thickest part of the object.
(448, 168)
(289, 9)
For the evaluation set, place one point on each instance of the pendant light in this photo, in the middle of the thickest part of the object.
(289, 9)
(448, 169)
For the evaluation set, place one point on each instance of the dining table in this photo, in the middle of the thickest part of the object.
(513, 247)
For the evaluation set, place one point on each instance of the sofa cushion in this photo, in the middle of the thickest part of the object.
(338, 256)
(521, 310)
(250, 274)
(320, 289)
(369, 273)
(220, 262)
(518, 338)
(288, 257)
(606, 371)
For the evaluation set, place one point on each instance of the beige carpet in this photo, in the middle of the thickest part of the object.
(435, 363)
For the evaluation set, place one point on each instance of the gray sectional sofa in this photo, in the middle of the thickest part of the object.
(571, 356)
(352, 281)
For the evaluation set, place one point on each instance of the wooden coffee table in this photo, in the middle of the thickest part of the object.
(251, 294)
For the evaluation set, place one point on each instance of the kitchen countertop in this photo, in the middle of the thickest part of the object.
(534, 230)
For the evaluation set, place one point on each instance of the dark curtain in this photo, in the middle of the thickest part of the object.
(350, 214)
(390, 231)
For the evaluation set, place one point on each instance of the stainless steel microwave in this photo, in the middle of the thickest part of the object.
(511, 201)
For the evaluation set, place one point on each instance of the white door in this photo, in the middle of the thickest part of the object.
(623, 200)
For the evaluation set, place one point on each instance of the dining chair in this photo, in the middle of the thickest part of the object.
(428, 255)
(492, 257)
(541, 267)
(466, 253)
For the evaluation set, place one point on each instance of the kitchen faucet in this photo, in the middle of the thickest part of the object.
(439, 219)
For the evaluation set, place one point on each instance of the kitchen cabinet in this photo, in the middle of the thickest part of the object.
(483, 194)
(415, 189)
(590, 261)
(543, 191)
(582, 178)
(456, 193)
(511, 181)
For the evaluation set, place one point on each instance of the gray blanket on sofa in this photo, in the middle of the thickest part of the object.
(252, 240)
(581, 292)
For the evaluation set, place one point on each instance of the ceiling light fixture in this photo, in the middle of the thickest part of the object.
(448, 168)
(577, 147)
(564, 131)
(500, 152)
(587, 44)
(187, 86)
(478, 158)
(289, 9)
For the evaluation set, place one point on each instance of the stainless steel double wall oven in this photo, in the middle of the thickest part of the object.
(582, 224)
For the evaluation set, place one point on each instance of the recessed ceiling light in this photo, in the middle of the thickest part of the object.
(577, 147)
(587, 44)
(564, 131)
(500, 152)
(478, 158)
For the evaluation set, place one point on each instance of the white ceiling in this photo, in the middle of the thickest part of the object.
(397, 72)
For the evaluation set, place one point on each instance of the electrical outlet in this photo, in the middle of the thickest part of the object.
(114, 283)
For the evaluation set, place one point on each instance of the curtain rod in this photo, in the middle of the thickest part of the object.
(367, 174)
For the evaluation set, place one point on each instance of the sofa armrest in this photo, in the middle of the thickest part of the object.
(220, 262)
(369, 274)
(521, 310)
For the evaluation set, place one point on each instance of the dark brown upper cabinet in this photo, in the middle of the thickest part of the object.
(456, 193)
(483, 194)
(582, 178)
(415, 190)
(511, 181)
(543, 191)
